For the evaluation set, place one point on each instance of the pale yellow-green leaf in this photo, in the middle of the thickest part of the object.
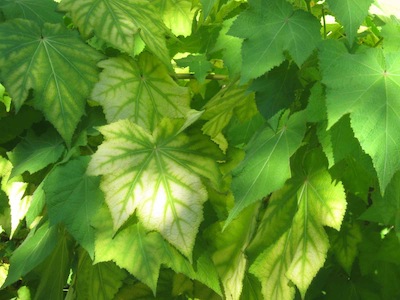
(177, 15)
(301, 251)
(157, 175)
(118, 22)
(140, 90)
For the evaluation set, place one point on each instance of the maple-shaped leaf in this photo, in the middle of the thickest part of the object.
(52, 61)
(367, 86)
(266, 166)
(177, 15)
(271, 27)
(159, 175)
(219, 110)
(41, 11)
(73, 198)
(34, 153)
(119, 22)
(301, 251)
(140, 90)
(351, 14)
(99, 281)
(131, 248)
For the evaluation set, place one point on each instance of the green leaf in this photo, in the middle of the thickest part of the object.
(131, 248)
(301, 251)
(142, 91)
(266, 165)
(228, 102)
(35, 248)
(157, 175)
(351, 14)
(34, 153)
(52, 61)
(366, 85)
(231, 47)
(228, 257)
(177, 15)
(54, 271)
(73, 198)
(270, 28)
(345, 244)
(207, 6)
(118, 23)
(40, 11)
(100, 281)
(276, 89)
(198, 64)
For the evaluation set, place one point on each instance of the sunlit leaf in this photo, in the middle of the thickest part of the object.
(142, 91)
(177, 15)
(367, 86)
(118, 22)
(158, 175)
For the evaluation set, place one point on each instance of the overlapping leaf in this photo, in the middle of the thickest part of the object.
(34, 153)
(118, 22)
(301, 251)
(141, 91)
(233, 100)
(73, 198)
(229, 257)
(351, 14)
(158, 175)
(367, 86)
(266, 166)
(270, 28)
(100, 281)
(52, 61)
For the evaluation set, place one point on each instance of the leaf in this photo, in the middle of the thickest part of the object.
(73, 198)
(119, 22)
(100, 281)
(276, 89)
(266, 164)
(345, 244)
(142, 91)
(301, 251)
(35, 248)
(40, 11)
(366, 85)
(34, 153)
(132, 248)
(228, 256)
(198, 64)
(52, 61)
(228, 102)
(177, 15)
(351, 14)
(157, 175)
(270, 28)
(207, 6)
(54, 271)
(231, 47)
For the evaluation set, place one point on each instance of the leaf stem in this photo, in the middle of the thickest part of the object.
(324, 21)
(192, 76)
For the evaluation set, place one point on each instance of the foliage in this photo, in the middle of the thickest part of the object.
(212, 149)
